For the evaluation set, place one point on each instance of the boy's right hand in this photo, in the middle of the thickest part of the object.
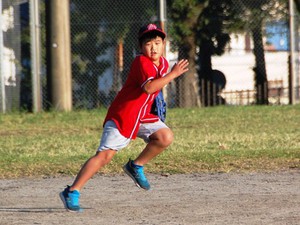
(180, 68)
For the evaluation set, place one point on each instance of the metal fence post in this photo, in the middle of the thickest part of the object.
(2, 87)
(35, 55)
(292, 53)
(162, 20)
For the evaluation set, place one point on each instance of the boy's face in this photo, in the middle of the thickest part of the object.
(153, 49)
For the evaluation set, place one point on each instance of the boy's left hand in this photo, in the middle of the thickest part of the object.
(180, 68)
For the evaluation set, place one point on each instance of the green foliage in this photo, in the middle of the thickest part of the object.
(210, 20)
(255, 11)
(213, 25)
(218, 139)
(183, 16)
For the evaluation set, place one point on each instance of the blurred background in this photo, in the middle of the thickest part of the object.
(75, 54)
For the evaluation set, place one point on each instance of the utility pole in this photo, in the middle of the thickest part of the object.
(59, 54)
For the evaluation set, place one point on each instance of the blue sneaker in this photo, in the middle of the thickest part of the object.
(71, 200)
(137, 175)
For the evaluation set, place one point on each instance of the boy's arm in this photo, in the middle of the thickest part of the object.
(157, 84)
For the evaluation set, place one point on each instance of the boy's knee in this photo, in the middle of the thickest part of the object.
(104, 157)
(168, 138)
(164, 137)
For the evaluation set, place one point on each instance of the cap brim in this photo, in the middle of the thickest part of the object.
(158, 32)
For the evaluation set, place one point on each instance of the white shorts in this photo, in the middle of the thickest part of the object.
(113, 139)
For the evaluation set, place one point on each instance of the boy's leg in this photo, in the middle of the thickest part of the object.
(159, 141)
(92, 166)
(111, 142)
(70, 195)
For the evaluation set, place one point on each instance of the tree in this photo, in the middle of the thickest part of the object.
(213, 21)
(255, 14)
(200, 30)
(183, 26)
(213, 26)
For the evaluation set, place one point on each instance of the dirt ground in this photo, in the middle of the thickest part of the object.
(254, 198)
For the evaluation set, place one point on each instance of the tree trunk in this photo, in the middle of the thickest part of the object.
(187, 85)
(205, 74)
(260, 76)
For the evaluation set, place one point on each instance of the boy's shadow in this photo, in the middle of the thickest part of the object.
(32, 210)
(36, 210)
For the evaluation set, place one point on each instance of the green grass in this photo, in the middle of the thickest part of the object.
(218, 139)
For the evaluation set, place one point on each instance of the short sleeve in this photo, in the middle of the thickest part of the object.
(147, 71)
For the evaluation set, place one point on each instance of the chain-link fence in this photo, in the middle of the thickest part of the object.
(253, 67)
(104, 42)
(256, 62)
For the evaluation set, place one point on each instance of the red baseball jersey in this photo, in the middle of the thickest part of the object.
(132, 105)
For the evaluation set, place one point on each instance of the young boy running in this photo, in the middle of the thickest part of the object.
(129, 116)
